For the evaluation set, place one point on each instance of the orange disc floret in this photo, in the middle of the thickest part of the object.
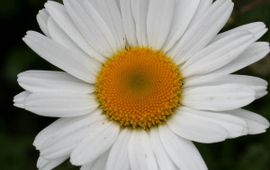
(139, 88)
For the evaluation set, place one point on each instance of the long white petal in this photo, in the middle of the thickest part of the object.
(140, 153)
(52, 81)
(202, 32)
(203, 7)
(60, 104)
(42, 19)
(118, 156)
(87, 166)
(128, 22)
(254, 53)
(98, 141)
(181, 151)
(96, 20)
(58, 35)
(234, 125)
(65, 127)
(218, 54)
(64, 140)
(218, 98)
(257, 84)
(65, 146)
(256, 28)
(100, 163)
(183, 13)
(77, 65)
(163, 160)
(256, 123)
(110, 13)
(196, 128)
(43, 164)
(63, 20)
(91, 25)
(139, 12)
(159, 21)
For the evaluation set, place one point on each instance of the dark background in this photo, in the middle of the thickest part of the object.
(18, 127)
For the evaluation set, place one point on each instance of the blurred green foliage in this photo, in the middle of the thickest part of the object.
(18, 127)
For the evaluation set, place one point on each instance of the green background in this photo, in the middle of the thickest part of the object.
(18, 127)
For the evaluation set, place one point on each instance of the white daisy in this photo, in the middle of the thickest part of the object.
(142, 79)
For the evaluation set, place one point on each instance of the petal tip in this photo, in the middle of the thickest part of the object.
(75, 161)
(19, 100)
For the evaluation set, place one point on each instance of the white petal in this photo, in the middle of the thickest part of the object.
(218, 54)
(100, 163)
(202, 32)
(181, 151)
(118, 3)
(254, 53)
(92, 26)
(118, 156)
(60, 104)
(140, 152)
(163, 160)
(128, 22)
(42, 19)
(63, 20)
(64, 127)
(110, 13)
(19, 99)
(98, 141)
(234, 126)
(101, 23)
(203, 7)
(66, 137)
(52, 81)
(159, 20)
(196, 128)
(256, 28)
(77, 65)
(43, 164)
(65, 146)
(257, 84)
(256, 123)
(183, 13)
(58, 35)
(87, 166)
(218, 98)
(140, 10)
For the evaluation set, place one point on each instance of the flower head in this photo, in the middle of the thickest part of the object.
(141, 80)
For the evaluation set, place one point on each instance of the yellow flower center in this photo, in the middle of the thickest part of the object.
(139, 88)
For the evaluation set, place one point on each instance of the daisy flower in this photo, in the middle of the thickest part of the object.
(141, 80)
